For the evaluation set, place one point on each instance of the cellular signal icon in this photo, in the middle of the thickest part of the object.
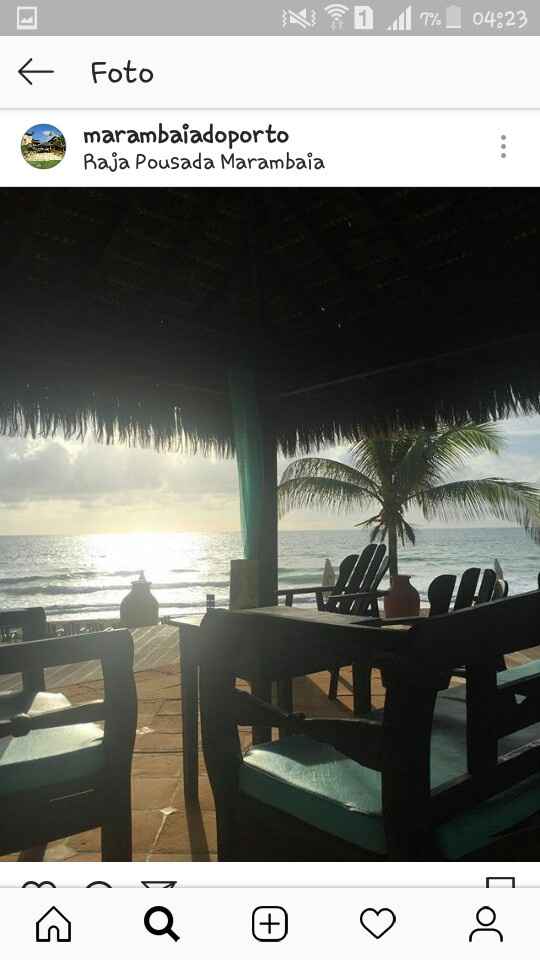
(403, 23)
(337, 12)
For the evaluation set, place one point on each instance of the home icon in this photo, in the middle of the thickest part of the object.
(53, 926)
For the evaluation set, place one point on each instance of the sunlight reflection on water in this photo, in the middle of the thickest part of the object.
(77, 577)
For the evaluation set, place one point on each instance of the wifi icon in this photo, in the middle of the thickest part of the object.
(337, 13)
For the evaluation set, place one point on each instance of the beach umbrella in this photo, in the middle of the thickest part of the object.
(329, 575)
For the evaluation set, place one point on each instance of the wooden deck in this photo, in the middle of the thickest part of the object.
(164, 830)
(155, 647)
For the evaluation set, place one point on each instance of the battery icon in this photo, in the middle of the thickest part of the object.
(453, 18)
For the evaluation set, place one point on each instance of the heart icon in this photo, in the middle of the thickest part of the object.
(377, 922)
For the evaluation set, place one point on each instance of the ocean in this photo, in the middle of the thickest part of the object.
(87, 576)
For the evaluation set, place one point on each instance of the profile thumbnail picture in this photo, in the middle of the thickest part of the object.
(43, 146)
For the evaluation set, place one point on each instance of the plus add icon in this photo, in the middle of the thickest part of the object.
(269, 923)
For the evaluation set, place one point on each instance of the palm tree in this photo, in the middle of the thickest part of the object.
(405, 470)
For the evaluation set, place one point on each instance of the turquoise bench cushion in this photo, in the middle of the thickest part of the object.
(524, 672)
(20, 702)
(504, 677)
(317, 784)
(48, 757)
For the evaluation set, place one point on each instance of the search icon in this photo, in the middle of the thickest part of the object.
(160, 930)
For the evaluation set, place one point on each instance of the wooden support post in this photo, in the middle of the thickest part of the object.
(268, 541)
(256, 452)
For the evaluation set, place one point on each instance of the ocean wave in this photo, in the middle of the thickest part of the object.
(52, 591)
(75, 575)
(13, 581)
(57, 591)
(302, 579)
(102, 608)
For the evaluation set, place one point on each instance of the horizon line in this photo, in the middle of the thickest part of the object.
(167, 533)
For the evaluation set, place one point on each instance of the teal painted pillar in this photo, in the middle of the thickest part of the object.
(256, 458)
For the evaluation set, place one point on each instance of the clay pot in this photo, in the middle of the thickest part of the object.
(140, 608)
(402, 600)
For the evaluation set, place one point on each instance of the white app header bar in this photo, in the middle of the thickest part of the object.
(262, 72)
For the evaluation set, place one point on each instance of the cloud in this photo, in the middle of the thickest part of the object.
(52, 486)
(53, 470)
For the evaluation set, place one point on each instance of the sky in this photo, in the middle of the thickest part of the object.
(43, 132)
(56, 487)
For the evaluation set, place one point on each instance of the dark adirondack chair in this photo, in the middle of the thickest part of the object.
(356, 572)
(441, 590)
(365, 579)
(356, 591)
(440, 593)
(61, 773)
(423, 779)
(346, 567)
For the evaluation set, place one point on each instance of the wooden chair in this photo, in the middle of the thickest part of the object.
(32, 622)
(423, 779)
(357, 572)
(61, 773)
(365, 603)
(355, 592)
(441, 590)
(440, 593)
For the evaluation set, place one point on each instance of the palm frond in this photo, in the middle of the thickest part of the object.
(375, 519)
(491, 497)
(452, 447)
(373, 457)
(379, 532)
(321, 467)
(406, 532)
(321, 493)
(416, 468)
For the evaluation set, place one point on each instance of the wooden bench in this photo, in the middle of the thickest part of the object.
(65, 769)
(434, 776)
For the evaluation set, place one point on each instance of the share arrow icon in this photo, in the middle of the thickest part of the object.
(158, 883)
(25, 73)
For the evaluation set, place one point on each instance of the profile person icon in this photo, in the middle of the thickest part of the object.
(486, 917)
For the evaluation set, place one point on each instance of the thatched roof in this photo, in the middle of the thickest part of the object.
(125, 310)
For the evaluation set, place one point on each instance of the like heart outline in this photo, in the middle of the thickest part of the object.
(377, 922)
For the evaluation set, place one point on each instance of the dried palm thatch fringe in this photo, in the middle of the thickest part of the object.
(485, 384)
(150, 418)
(123, 312)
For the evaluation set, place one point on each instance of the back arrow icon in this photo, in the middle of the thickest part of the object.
(24, 71)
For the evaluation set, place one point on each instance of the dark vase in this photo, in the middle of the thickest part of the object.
(402, 600)
(139, 608)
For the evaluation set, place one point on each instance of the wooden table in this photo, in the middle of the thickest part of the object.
(188, 639)
(310, 652)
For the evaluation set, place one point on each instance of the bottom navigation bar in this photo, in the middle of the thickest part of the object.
(309, 922)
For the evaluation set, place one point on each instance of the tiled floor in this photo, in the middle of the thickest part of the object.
(164, 829)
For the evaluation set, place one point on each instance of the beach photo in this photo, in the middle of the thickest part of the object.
(43, 146)
(269, 523)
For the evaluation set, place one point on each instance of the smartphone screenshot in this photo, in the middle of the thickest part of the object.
(269, 477)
